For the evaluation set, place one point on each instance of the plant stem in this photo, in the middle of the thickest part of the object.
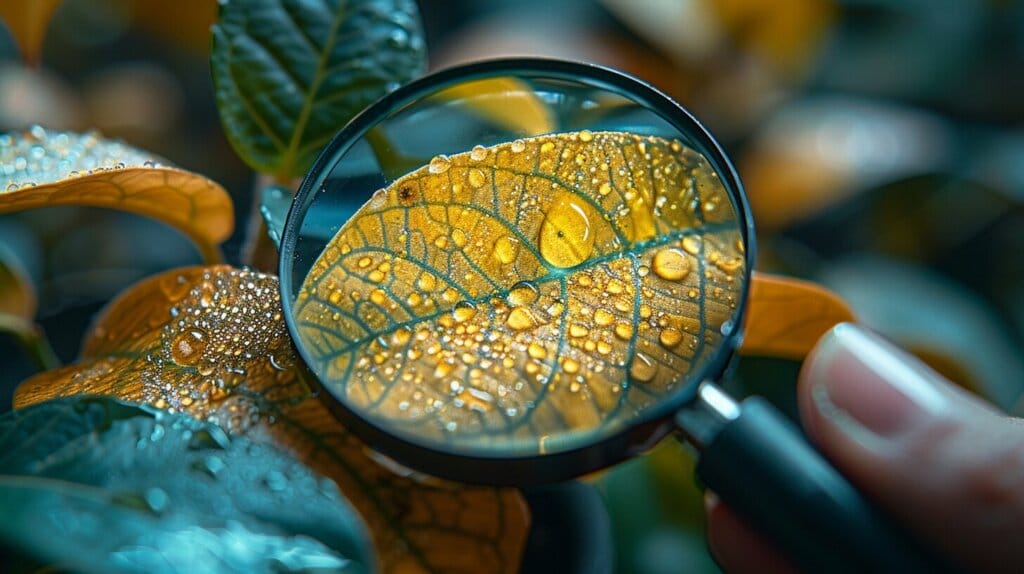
(33, 340)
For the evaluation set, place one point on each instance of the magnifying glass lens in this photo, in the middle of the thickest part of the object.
(541, 262)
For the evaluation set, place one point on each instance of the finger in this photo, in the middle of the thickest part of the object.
(737, 548)
(940, 460)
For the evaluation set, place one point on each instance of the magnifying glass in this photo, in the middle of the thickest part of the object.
(549, 276)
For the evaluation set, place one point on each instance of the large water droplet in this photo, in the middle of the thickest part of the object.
(439, 164)
(643, 368)
(521, 319)
(505, 249)
(671, 264)
(522, 293)
(566, 239)
(187, 347)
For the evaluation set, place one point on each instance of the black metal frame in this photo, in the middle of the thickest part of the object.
(504, 470)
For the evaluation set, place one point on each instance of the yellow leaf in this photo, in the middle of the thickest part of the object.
(65, 168)
(786, 317)
(508, 102)
(17, 297)
(547, 286)
(27, 21)
(210, 341)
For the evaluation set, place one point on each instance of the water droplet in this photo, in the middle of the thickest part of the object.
(604, 347)
(671, 264)
(505, 249)
(547, 147)
(459, 238)
(426, 282)
(576, 330)
(623, 331)
(603, 318)
(691, 244)
(518, 146)
(187, 347)
(463, 312)
(570, 365)
(439, 164)
(566, 239)
(477, 178)
(670, 337)
(365, 262)
(537, 351)
(604, 189)
(378, 296)
(478, 153)
(522, 293)
(643, 368)
(521, 319)
(376, 276)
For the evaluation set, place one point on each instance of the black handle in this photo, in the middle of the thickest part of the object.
(762, 467)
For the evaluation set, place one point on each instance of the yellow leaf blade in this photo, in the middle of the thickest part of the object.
(786, 317)
(507, 102)
(81, 169)
(211, 341)
(27, 21)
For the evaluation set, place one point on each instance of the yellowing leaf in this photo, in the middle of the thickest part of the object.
(547, 287)
(786, 317)
(27, 21)
(17, 297)
(64, 168)
(507, 102)
(211, 341)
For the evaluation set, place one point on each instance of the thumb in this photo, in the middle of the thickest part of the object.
(942, 462)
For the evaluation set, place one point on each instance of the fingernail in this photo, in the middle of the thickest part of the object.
(858, 375)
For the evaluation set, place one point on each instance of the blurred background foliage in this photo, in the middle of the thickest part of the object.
(881, 143)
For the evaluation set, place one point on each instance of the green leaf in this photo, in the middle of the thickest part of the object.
(96, 485)
(275, 201)
(289, 74)
(517, 295)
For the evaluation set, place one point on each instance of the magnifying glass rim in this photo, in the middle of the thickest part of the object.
(501, 469)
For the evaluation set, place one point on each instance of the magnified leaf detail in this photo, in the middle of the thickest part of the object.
(211, 342)
(523, 292)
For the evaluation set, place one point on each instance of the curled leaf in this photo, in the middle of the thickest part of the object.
(210, 341)
(786, 317)
(27, 22)
(289, 75)
(46, 169)
(501, 296)
(508, 102)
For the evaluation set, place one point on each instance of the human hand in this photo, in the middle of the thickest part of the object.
(943, 463)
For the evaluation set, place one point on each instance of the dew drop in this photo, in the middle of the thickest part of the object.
(537, 351)
(566, 239)
(586, 136)
(547, 147)
(671, 264)
(459, 238)
(365, 262)
(691, 244)
(670, 337)
(643, 368)
(426, 282)
(521, 319)
(623, 331)
(378, 296)
(505, 250)
(477, 178)
(464, 311)
(518, 146)
(439, 164)
(188, 346)
(522, 293)
(570, 365)
(603, 318)
(576, 330)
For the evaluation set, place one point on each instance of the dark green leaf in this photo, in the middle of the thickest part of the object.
(98, 485)
(289, 73)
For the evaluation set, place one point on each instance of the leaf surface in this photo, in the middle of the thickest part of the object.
(17, 297)
(786, 317)
(47, 169)
(546, 286)
(289, 74)
(96, 485)
(211, 342)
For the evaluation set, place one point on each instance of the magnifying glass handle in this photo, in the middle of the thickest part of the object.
(759, 464)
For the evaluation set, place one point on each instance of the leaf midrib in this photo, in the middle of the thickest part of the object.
(291, 153)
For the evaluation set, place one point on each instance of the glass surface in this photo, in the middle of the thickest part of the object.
(543, 262)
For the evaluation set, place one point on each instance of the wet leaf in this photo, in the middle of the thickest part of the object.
(289, 74)
(95, 485)
(44, 169)
(786, 317)
(27, 21)
(552, 284)
(211, 342)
